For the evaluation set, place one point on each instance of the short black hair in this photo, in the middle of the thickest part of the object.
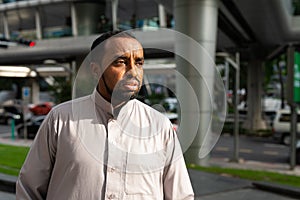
(107, 35)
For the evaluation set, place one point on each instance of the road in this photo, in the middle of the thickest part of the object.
(264, 149)
(7, 196)
(4, 129)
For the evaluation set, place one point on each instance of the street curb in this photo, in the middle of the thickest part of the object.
(8, 183)
(278, 188)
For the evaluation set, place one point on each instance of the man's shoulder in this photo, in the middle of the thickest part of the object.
(150, 112)
(140, 104)
(144, 106)
(69, 106)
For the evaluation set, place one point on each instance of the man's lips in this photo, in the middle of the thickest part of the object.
(131, 85)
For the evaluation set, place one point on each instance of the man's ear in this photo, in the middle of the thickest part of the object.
(96, 70)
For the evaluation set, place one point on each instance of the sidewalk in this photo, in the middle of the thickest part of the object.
(206, 186)
(6, 139)
(256, 165)
(216, 187)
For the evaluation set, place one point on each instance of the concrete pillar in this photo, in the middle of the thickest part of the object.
(197, 19)
(226, 76)
(38, 25)
(162, 16)
(114, 11)
(74, 67)
(254, 119)
(74, 20)
(5, 26)
(86, 16)
(35, 88)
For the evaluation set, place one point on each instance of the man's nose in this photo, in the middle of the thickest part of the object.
(132, 68)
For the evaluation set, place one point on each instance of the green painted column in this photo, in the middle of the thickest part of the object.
(297, 77)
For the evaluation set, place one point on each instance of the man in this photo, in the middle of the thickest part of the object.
(107, 145)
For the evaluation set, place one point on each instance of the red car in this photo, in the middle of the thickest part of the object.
(42, 108)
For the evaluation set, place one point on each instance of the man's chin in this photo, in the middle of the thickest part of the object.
(124, 95)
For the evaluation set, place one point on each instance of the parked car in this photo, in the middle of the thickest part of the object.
(41, 108)
(32, 127)
(170, 104)
(10, 112)
(282, 129)
(282, 126)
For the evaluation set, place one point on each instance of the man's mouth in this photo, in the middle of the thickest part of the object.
(132, 85)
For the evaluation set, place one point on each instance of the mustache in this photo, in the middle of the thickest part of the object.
(130, 80)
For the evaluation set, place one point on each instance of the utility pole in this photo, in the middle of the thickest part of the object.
(235, 63)
(293, 87)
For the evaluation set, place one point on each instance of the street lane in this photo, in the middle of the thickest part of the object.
(263, 149)
(5, 129)
(7, 196)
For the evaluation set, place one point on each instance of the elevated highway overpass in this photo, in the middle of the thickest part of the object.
(257, 30)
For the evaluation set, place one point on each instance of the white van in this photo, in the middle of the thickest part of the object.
(282, 126)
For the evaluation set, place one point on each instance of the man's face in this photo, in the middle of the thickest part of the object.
(122, 79)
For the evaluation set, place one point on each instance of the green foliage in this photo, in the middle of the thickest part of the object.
(61, 90)
(296, 7)
(229, 128)
(5, 83)
(275, 71)
(268, 66)
(155, 98)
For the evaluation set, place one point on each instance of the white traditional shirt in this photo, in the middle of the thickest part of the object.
(87, 150)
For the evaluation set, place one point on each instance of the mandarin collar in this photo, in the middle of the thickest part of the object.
(105, 105)
(102, 103)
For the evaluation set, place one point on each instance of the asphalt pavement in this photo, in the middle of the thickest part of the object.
(206, 186)
(209, 186)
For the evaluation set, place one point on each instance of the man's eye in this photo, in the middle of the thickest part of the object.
(139, 63)
(119, 62)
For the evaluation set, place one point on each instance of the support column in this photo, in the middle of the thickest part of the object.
(85, 17)
(74, 20)
(226, 76)
(254, 120)
(73, 75)
(197, 19)
(75, 67)
(38, 25)
(114, 7)
(162, 16)
(35, 88)
(5, 26)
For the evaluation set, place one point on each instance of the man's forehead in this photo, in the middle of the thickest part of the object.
(115, 47)
(122, 44)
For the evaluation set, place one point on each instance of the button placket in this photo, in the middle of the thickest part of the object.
(111, 196)
(114, 163)
(111, 170)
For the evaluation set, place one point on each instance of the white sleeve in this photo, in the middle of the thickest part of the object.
(36, 171)
(177, 184)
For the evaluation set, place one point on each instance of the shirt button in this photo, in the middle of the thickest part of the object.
(111, 170)
(111, 196)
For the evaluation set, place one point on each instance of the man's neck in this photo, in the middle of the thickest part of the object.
(116, 104)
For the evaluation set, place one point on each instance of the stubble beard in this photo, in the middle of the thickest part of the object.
(118, 94)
